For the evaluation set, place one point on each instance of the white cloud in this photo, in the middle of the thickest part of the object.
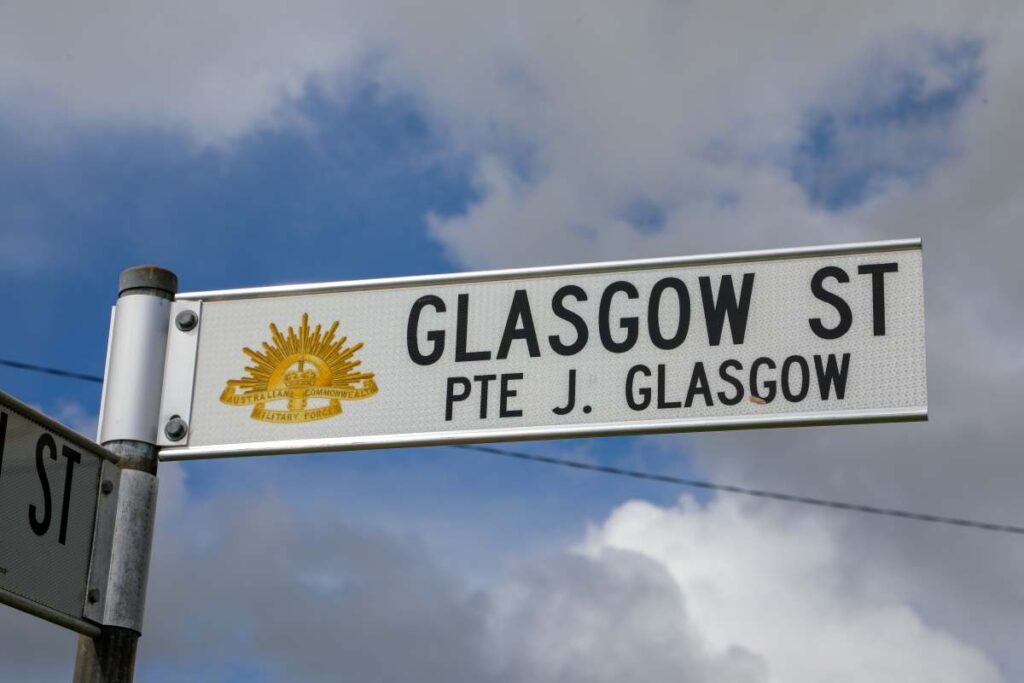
(778, 584)
(209, 69)
(611, 616)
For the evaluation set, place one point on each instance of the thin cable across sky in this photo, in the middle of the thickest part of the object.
(648, 476)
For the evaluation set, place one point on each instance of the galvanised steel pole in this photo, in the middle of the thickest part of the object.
(129, 420)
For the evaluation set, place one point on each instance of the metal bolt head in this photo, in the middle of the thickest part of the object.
(93, 596)
(107, 487)
(186, 320)
(176, 429)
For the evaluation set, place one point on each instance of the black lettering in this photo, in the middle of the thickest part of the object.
(769, 384)
(462, 332)
(698, 385)
(40, 527)
(644, 392)
(830, 374)
(731, 379)
(631, 325)
(715, 312)
(483, 381)
(836, 301)
(654, 310)
(435, 337)
(73, 457)
(805, 379)
(519, 312)
(877, 272)
(451, 397)
(559, 309)
(567, 408)
(662, 403)
(506, 393)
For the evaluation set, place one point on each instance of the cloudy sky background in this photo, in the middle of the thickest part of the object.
(245, 143)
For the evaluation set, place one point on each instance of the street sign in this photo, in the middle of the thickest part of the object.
(49, 493)
(811, 336)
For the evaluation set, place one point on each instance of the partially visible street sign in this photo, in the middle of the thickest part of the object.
(49, 488)
(811, 336)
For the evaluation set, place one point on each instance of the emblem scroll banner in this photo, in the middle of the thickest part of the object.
(259, 398)
(810, 336)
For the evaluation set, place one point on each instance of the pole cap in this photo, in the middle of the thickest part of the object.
(148, 277)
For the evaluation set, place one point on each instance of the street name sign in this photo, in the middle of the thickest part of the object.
(49, 493)
(808, 336)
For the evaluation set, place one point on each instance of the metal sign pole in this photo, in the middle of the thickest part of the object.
(128, 427)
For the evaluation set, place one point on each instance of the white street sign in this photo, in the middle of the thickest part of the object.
(812, 336)
(49, 492)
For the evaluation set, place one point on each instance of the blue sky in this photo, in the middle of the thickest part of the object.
(532, 137)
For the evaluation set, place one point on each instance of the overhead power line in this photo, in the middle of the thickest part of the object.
(51, 371)
(648, 476)
(757, 493)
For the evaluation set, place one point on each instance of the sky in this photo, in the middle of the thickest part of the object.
(252, 143)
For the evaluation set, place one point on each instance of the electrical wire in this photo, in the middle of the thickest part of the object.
(661, 478)
(51, 371)
(757, 493)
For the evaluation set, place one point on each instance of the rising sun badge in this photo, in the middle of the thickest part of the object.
(303, 376)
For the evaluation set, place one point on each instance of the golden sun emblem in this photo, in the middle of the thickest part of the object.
(310, 373)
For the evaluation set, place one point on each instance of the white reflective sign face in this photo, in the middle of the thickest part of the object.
(812, 337)
(48, 494)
